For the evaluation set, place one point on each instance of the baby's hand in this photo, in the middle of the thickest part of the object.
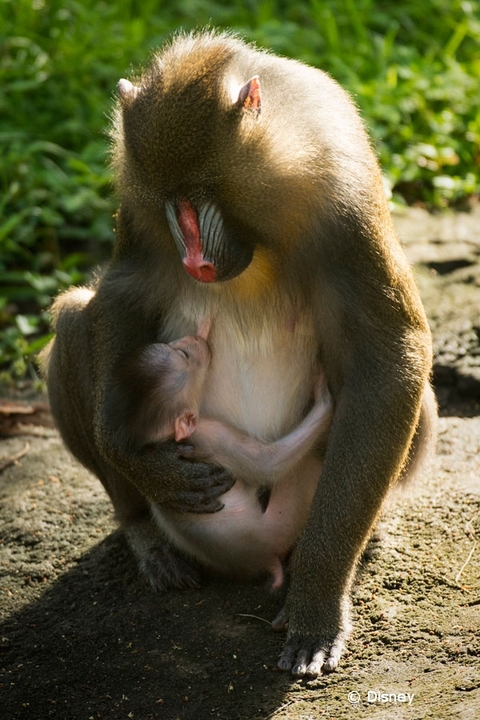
(320, 389)
(201, 444)
(186, 451)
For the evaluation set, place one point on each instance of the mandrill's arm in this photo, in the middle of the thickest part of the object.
(94, 330)
(377, 360)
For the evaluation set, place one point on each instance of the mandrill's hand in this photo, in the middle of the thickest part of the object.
(194, 487)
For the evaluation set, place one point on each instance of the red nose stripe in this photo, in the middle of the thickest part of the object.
(194, 263)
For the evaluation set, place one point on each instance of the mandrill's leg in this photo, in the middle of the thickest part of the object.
(67, 364)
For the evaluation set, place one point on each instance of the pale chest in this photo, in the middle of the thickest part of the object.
(263, 364)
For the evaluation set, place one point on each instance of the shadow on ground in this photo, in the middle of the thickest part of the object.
(98, 643)
(83, 638)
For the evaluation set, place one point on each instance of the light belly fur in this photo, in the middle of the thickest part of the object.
(260, 380)
(263, 366)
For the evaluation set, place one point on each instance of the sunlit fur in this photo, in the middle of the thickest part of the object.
(327, 285)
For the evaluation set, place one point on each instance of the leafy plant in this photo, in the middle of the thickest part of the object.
(412, 67)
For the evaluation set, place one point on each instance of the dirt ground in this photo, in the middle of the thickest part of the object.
(82, 636)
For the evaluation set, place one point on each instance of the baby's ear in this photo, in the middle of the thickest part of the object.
(185, 425)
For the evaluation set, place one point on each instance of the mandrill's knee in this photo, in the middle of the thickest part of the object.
(68, 307)
(66, 364)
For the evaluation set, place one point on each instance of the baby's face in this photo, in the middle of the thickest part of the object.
(193, 352)
(190, 356)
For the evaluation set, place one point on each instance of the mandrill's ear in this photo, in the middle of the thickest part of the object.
(127, 91)
(249, 97)
(185, 425)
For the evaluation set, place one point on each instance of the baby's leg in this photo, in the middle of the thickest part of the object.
(232, 541)
(289, 505)
(258, 541)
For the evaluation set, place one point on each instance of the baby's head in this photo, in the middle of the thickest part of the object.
(178, 387)
(164, 385)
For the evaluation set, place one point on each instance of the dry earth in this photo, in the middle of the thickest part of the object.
(83, 637)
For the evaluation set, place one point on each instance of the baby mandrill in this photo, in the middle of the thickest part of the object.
(244, 538)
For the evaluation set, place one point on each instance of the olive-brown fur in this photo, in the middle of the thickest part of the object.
(299, 183)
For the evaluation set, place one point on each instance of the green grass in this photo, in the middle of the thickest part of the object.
(412, 67)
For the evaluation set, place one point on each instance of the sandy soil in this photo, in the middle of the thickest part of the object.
(82, 637)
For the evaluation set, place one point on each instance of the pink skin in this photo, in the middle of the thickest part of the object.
(247, 538)
(194, 262)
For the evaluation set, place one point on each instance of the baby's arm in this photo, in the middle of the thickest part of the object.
(254, 460)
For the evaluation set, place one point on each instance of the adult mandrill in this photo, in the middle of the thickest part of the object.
(250, 197)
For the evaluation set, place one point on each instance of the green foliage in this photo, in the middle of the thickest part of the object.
(412, 67)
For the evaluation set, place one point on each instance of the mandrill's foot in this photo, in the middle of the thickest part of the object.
(165, 569)
(158, 561)
(311, 655)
